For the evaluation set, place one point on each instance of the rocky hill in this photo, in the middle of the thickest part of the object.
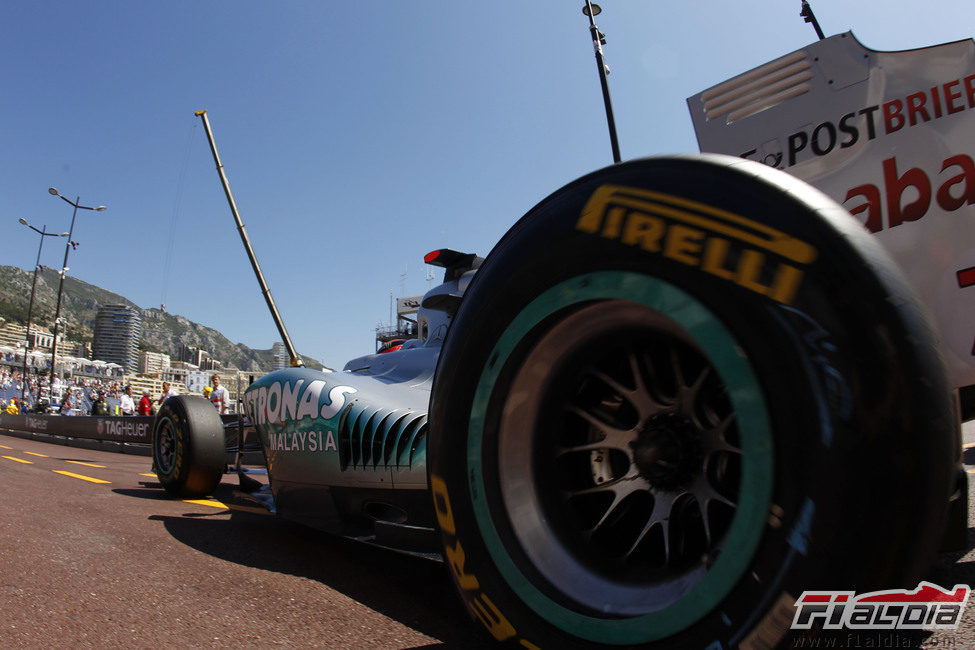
(161, 331)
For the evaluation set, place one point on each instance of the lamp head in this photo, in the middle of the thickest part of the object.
(596, 9)
(23, 221)
(52, 191)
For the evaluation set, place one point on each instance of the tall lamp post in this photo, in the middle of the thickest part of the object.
(64, 270)
(30, 305)
(598, 40)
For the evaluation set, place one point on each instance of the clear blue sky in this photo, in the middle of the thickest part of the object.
(357, 136)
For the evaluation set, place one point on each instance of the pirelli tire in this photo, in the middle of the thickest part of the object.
(188, 448)
(699, 388)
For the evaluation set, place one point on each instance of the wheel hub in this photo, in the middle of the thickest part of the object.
(668, 451)
(166, 448)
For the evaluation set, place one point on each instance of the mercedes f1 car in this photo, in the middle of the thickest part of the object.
(678, 392)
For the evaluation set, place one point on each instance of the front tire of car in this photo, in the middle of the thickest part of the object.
(648, 447)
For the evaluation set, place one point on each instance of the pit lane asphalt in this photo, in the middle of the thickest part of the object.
(117, 564)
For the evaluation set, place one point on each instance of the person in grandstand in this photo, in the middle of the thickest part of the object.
(67, 404)
(100, 407)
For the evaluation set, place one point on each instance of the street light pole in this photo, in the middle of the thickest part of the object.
(598, 40)
(64, 271)
(30, 305)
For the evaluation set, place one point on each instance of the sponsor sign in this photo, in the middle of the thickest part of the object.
(125, 429)
(753, 256)
(890, 136)
(137, 429)
(116, 429)
(407, 306)
(928, 607)
(292, 401)
(197, 380)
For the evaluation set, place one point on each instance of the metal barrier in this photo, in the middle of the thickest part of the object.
(114, 429)
(131, 434)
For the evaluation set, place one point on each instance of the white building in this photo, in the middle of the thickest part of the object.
(153, 363)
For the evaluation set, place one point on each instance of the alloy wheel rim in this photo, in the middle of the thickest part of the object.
(623, 498)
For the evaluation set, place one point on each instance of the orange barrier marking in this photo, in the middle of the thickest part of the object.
(19, 460)
(36, 454)
(207, 502)
(78, 462)
(79, 476)
(149, 475)
(5, 447)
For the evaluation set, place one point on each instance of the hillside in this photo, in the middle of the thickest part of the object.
(161, 331)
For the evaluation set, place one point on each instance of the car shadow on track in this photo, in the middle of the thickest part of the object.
(414, 591)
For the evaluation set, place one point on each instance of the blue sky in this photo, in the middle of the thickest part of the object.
(356, 136)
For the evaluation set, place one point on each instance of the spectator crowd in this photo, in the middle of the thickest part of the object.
(88, 396)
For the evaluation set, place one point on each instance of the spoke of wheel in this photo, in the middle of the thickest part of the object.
(632, 481)
(675, 364)
(621, 390)
(663, 504)
(646, 403)
(706, 495)
(620, 489)
(613, 437)
(639, 396)
(714, 437)
(687, 395)
(639, 386)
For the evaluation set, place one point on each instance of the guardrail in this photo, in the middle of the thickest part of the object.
(131, 434)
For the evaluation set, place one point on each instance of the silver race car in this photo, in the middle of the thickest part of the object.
(679, 392)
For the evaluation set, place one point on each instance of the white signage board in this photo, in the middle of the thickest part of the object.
(891, 136)
(197, 380)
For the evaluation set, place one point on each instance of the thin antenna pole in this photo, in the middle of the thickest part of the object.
(295, 361)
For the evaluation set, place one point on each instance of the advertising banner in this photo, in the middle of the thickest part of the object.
(137, 429)
(115, 429)
(890, 136)
(408, 306)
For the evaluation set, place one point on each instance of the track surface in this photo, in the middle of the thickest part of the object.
(115, 563)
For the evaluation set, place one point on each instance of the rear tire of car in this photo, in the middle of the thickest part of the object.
(188, 447)
(699, 388)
